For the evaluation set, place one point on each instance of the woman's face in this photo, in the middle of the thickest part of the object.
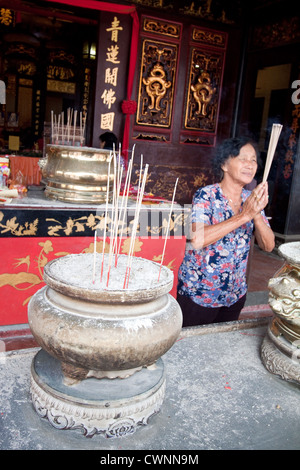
(242, 168)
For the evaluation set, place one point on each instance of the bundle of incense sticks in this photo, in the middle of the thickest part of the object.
(276, 130)
(68, 133)
(141, 189)
(118, 213)
(168, 229)
(118, 208)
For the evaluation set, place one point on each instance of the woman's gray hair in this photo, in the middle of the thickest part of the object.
(230, 148)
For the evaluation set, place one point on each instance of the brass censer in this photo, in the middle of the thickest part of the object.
(76, 174)
(280, 350)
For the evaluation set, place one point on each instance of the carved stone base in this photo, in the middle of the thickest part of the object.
(110, 407)
(281, 357)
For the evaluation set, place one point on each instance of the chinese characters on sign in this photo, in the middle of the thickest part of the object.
(6, 17)
(289, 160)
(111, 76)
(86, 90)
(37, 112)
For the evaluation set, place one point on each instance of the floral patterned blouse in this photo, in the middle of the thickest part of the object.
(215, 276)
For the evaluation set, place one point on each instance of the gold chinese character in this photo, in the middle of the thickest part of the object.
(108, 97)
(287, 171)
(111, 76)
(112, 54)
(107, 121)
(115, 28)
(5, 16)
(289, 156)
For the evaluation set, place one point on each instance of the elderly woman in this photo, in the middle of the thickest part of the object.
(212, 277)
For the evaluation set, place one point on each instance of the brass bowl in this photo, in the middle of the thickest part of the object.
(77, 174)
(284, 288)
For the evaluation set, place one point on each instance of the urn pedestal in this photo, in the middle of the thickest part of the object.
(100, 367)
(280, 350)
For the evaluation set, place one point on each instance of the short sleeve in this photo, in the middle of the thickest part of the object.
(201, 208)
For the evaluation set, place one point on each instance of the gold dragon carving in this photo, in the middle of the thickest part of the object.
(156, 86)
(203, 92)
(157, 81)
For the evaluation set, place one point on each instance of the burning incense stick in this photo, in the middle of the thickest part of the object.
(112, 221)
(83, 130)
(74, 127)
(126, 192)
(52, 127)
(69, 120)
(58, 122)
(105, 217)
(140, 177)
(276, 130)
(113, 216)
(117, 212)
(135, 220)
(123, 210)
(64, 134)
(168, 228)
(134, 229)
(80, 127)
(111, 237)
(94, 260)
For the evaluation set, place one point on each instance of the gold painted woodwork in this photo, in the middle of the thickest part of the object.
(157, 83)
(156, 86)
(203, 90)
(164, 28)
(209, 37)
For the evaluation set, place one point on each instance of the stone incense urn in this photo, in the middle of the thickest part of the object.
(76, 174)
(280, 350)
(100, 366)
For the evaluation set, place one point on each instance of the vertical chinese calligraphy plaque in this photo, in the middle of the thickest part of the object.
(112, 65)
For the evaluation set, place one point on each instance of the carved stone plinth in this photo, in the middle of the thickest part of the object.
(112, 408)
(281, 357)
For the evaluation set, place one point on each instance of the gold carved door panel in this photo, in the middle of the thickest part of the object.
(203, 57)
(203, 90)
(157, 83)
(159, 57)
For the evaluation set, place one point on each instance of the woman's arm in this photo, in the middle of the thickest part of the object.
(263, 234)
(204, 235)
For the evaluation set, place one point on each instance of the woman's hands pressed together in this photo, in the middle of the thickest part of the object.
(204, 235)
(256, 202)
(252, 207)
